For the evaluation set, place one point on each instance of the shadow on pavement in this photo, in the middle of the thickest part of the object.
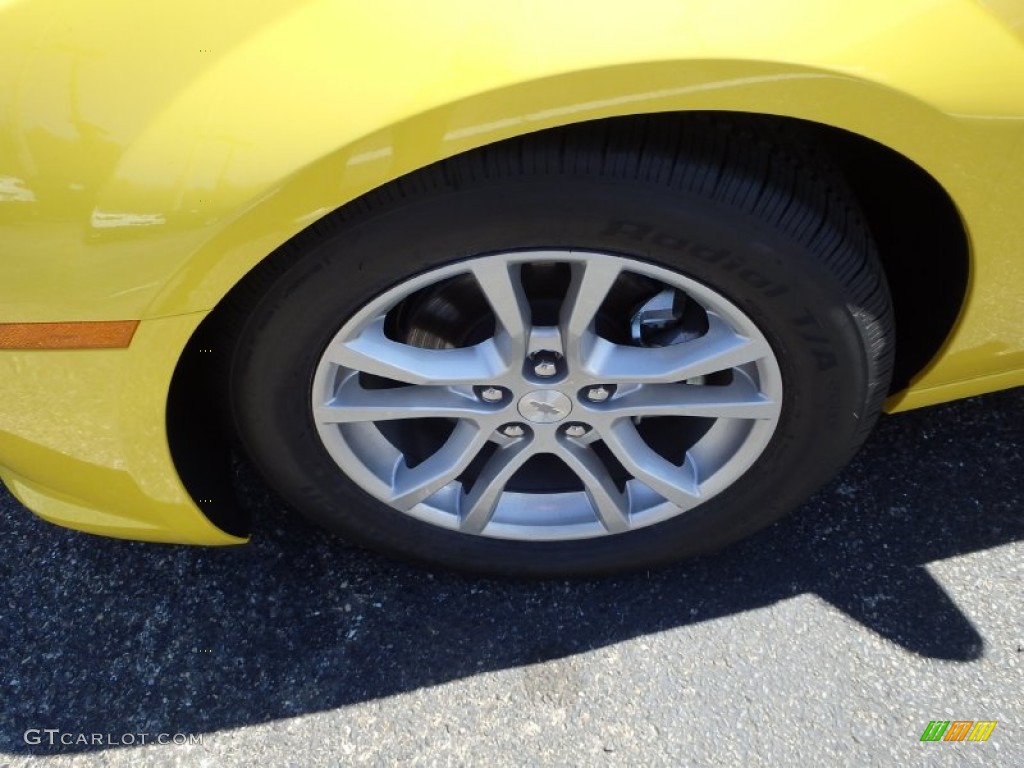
(102, 636)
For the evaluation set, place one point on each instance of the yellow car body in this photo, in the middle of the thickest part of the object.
(152, 154)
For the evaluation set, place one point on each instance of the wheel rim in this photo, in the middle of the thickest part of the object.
(581, 394)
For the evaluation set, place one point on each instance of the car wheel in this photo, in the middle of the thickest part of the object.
(581, 351)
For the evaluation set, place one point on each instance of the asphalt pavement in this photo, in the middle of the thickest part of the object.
(893, 598)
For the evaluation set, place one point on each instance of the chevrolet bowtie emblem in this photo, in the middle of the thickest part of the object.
(546, 408)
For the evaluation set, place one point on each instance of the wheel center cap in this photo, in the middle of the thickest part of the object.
(544, 406)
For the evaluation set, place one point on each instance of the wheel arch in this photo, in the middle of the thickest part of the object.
(339, 167)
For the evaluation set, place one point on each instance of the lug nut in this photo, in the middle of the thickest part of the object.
(513, 430)
(576, 430)
(492, 394)
(598, 394)
(545, 369)
(545, 364)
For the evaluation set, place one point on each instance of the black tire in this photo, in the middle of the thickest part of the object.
(740, 205)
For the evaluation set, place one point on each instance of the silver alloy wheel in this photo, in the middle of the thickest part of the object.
(590, 414)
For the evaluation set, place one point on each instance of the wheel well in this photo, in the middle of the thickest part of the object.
(921, 241)
(918, 231)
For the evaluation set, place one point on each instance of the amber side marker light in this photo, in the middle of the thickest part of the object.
(89, 334)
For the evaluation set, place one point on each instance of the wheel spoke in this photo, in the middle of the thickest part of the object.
(477, 507)
(353, 403)
(678, 484)
(502, 286)
(590, 282)
(738, 400)
(373, 352)
(717, 350)
(413, 485)
(609, 503)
